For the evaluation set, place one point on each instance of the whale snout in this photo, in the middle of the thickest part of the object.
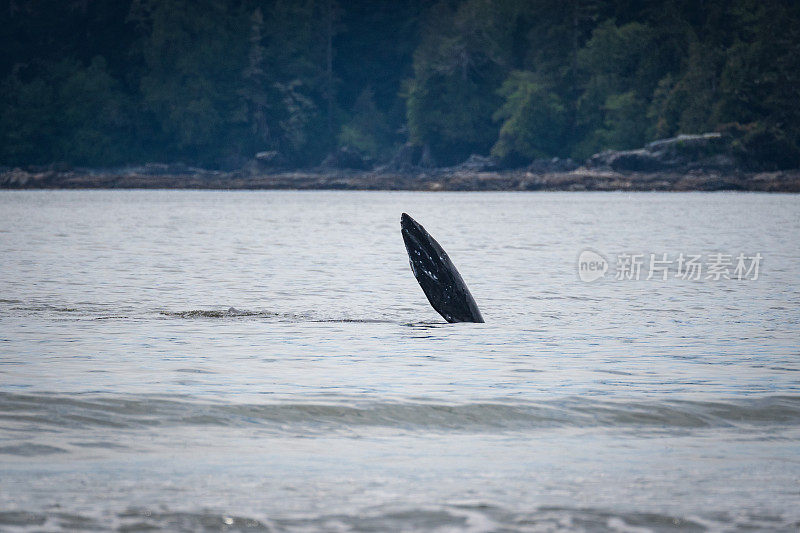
(413, 233)
(411, 226)
(406, 222)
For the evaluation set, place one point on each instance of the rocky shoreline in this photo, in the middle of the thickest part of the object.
(701, 162)
(581, 179)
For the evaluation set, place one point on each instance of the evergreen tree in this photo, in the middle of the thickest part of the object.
(211, 82)
(194, 58)
(534, 119)
(461, 62)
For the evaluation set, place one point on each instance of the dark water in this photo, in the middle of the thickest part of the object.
(245, 361)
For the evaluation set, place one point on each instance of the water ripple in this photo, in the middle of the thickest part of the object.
(59, 411)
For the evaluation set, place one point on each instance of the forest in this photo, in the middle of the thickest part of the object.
(210, 83)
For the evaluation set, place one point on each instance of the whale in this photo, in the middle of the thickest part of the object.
(437, 275)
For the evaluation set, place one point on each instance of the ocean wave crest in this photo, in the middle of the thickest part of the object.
(126, 411)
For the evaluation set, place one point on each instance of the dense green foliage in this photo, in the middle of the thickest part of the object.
(212, 82)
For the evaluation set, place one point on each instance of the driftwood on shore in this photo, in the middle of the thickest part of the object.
(581, 179)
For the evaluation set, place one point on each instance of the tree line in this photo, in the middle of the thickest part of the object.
(212, 82)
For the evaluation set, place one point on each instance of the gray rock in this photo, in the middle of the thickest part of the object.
(626, 160)
(685, 152)
(684, 141)
(478, 163)
(269, 157)
(14, 178)
(270, 160)
(159, 169)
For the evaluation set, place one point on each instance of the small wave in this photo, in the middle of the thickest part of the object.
(20, 411)
(105, 445)
(30, 450)
(450, 517)
(42, 308)
(105, 312)
(231, 312)
(292, 317)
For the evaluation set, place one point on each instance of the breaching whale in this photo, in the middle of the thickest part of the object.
(436, 274)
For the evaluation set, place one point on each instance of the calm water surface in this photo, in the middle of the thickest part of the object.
(188, 360)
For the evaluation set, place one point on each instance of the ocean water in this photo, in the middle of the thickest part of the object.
(265, 361)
